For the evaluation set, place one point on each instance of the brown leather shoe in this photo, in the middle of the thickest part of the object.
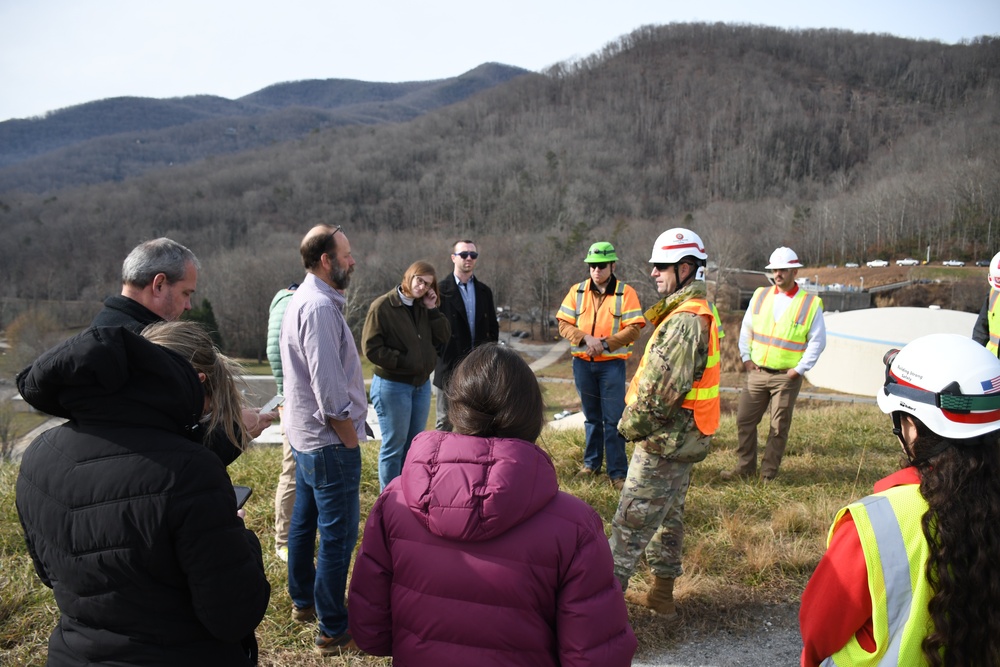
(335, 645)
(736, 473)
(586, 472)
(304, 615)
(618, 483)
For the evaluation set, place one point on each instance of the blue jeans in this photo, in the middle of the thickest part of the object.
(327, 483)
(601, 385)
(402, 411)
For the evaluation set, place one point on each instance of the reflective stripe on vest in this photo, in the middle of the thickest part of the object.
(780, 344)
(896, 578)
(573, 308)
(993, 318)
(703, 397)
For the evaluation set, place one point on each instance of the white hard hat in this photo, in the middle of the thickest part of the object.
(994, 277)
(784, 258)
(675, 244)
(949, 382)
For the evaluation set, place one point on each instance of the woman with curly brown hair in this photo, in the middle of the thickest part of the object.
(911, 575)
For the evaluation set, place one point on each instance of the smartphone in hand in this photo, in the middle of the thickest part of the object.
(273, 404)
(242, 494)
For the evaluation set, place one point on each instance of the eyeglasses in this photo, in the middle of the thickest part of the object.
(466, 254)
(599, 265)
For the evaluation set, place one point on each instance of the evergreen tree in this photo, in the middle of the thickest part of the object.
(204, 315)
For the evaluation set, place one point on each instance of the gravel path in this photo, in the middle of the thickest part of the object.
(773, 641)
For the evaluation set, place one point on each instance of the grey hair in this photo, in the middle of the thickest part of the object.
(160, 255)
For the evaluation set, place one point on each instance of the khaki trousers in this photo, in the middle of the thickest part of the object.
(284, 495)
(764, 390)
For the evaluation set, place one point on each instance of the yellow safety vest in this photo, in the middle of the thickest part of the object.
(718, 320)
(780, 345)
(607, 320)
(896, 555)
(993, 317)
(703, 398)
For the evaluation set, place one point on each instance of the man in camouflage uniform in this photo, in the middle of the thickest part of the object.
(672, 410)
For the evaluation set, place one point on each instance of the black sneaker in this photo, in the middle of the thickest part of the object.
(335, 645)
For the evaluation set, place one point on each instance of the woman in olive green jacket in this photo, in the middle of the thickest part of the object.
(402, 333)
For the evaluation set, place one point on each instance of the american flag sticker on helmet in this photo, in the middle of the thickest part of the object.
(989, 386)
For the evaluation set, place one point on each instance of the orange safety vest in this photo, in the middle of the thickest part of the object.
(703, 398)
(609, 318)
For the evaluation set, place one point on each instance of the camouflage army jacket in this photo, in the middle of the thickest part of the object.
(675, 357)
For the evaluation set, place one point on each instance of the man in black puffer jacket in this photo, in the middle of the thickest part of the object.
(159, 278)
(128, 517)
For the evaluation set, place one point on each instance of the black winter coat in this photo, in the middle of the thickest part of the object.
(128, 517)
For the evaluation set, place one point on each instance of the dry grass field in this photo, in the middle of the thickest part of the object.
(747, 544)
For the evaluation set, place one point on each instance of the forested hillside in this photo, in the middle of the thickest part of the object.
(111, 140)
(845, 146)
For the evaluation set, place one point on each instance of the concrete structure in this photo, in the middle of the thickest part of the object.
(857, 340)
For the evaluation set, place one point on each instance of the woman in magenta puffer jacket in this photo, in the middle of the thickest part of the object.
(474, 557)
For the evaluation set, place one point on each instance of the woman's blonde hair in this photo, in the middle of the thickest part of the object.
(193, 342)
(418, 269)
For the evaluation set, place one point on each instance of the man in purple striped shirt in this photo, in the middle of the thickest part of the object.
(324, 415)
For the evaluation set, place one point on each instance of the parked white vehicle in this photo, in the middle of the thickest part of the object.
(877, 264)
(953, 262)
(909, 261)
(851, 265)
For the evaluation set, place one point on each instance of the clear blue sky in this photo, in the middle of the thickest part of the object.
(57, 53)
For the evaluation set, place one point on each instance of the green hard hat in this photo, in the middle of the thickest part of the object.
(602, 251)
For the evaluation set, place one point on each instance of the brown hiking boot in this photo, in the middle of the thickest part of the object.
(585, 472)
(618, 483)
(659, 598)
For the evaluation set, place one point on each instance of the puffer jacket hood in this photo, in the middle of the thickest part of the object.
(472, 489)
(112, 375)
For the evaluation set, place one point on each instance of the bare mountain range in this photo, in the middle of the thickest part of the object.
(113, 139)
(847, 147)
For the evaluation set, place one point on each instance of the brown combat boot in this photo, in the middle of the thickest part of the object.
(659, 598)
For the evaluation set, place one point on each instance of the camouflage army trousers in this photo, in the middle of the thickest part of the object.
(650, 516)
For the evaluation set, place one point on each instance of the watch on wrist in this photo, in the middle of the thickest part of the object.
(604, 344)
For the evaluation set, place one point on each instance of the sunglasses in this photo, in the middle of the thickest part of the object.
(660, 266)
(466, 254)
(599, 265)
